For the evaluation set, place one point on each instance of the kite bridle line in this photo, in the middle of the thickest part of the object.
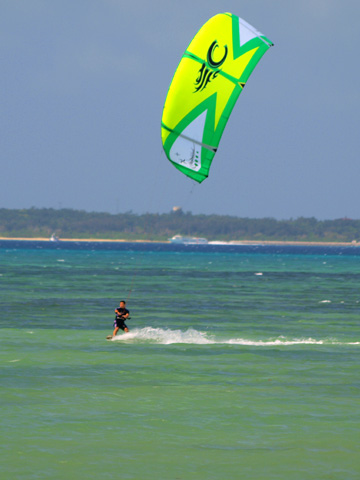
(189, 194)
(150, 203)
(131, 286)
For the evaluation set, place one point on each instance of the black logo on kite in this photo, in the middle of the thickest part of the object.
(207, 74)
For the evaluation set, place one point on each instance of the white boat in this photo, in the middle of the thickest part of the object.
(188, 240)
(54, 238)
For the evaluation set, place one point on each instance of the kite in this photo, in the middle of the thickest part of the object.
(206, 85)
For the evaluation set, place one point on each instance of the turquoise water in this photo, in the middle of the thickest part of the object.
(240, 363)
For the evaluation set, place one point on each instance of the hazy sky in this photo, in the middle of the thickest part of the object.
(83, 85)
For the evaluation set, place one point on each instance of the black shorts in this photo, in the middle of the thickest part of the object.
(120, 322)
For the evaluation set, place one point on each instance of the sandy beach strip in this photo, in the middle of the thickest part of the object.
(233, 242)
(42, 239)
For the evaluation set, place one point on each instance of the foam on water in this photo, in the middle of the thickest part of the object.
(195, 337)
(278, 341)
(166, 336)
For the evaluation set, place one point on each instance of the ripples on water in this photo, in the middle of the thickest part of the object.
(241, 362)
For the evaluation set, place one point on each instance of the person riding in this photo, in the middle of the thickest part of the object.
(122, 314)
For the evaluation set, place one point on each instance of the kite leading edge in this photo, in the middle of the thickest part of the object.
(209, 79)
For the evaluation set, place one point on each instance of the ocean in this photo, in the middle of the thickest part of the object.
(242, 362)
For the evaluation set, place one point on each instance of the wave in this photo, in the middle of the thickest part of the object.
(166, 336)
(195, 337)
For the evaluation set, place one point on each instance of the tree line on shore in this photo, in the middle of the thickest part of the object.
(68, 223)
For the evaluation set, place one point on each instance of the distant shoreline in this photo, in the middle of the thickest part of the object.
(234, 242)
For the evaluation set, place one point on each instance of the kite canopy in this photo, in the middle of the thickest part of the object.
(209, 79)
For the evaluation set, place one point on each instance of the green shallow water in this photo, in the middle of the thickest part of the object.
(225, 374)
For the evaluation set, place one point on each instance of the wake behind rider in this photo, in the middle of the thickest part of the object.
(122, 314)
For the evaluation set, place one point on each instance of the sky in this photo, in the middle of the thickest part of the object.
(83, 86)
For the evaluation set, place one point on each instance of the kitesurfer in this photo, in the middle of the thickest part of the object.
(122, 314)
